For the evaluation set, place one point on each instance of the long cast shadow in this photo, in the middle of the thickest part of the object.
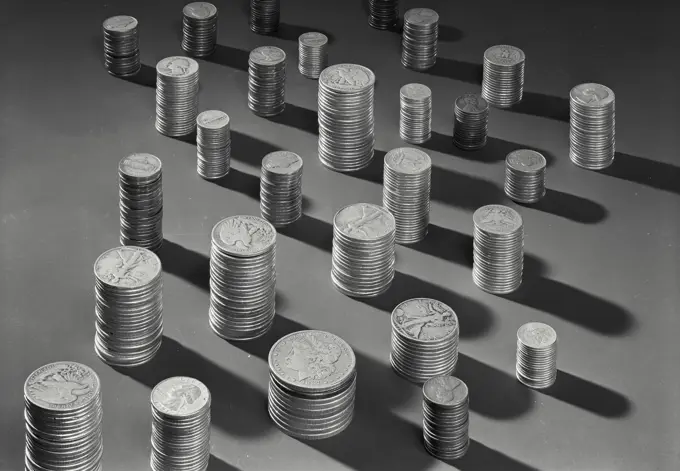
(241, 182)
(146, 77)
(480, 457)
(651, 173)
(310, 231)
(187, 264)
(216, 464)
(449, 34)
(250, 150)
(231, 57)
(572, 207)
(299, 118)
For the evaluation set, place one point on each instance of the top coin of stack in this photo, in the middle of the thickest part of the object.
(199, 29)
(592, 126)
(503, 77)
(121, 46)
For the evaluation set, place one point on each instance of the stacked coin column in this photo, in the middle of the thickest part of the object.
(415, 113)
(199, 29)
(312, 54)
(525, 176)
(264, 16)
(176, 96)
(281, 188)
(470, 122)
(121, 46)
(383, 14)
(536, 355)
(592, 126)
(446, 417)
(503, 76)
(419, 39)
(267, 81)
(213, 144)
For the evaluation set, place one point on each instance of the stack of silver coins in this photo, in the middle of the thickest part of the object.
(213, 144)
(281, 188)
(363, 253)
(525, 176)
(503, 76)
(446, 417)
(267, 81)
(406, 192)
(383, 14)
(140, 189)
(312, 384)
(199, 29)
(498, 249)
(242, 277)
(346, 122)
(63, 414)
(415, 113)
(264, 16)
(176, 96)
(419, 39)
(180, 426)
(312, 54)
(424, 339)
(536, 355)
(470, 122)
(592, 126)
(121, 46)
(128, 306)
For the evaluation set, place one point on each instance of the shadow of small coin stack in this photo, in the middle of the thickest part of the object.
(446, 417)
(121, 46)
(281, 188)
(199, 29)
(213, 144)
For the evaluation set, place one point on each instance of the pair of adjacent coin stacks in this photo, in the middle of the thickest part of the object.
(63, 414)
(363, 255)
(267, 81)
(446, 417)
(592, 126)
(128, 306)
(140, 191)
(312, 384)
(176, 96)
(242, 277)
(312, 54)
(346, 121)
(199, 29)
(180, 427)
(121, 46)
(213, 144)
(424, 339)
(536, 355)
(264, 16)
(406, 192)
(281, 188)
(383, 14)
(419, 39)
(415, 113)
(498, 253)
(470, 122)
(525, 176)
(503, 76)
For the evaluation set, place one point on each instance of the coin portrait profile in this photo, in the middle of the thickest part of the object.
(179, 398)
(311, 358)
(178, 66)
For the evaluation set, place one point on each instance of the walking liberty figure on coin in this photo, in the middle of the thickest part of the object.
(181, 397)
(60, 387)
(424, 313)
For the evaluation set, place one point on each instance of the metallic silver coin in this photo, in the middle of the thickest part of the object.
(525, 176)
(383, 14)
(176, 96)
(199, 29)
(264, 16)
(503, 76)
(213, 144)
(470, 122)
(121, 45)
(415, 113)
(592, 124)
(419, 38)
(536, 355)
(281, 188)
(312, 54)
(267, 81)
(446, 417)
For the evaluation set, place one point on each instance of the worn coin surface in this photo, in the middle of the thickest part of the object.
(504, 55)
(127, 267)
(140, 165)
(347, 77)
(497, 219)
(282, 162)
(64, 385)
(445, 390)
(408, 160)
(180, 396)
(177, 66)
(537, 335)
(244, 235)
(267, 55)
(421, 16)
(364, 221)
(525, 160)
(592, 94)
(472, 103)
(424, 319)
(120, 23)
(213, 119)
(313, 39)
(200, 10)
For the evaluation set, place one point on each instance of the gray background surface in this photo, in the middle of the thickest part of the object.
(602, 249)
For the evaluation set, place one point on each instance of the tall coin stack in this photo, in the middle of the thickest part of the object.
(592, 126)
(264, 16)
(267, 81)
(415, 113)
(242, 277)
(176, 96)
(424, 339)
(140, 189)
(121, 46)
(180, 426)
(525, 176)
(63, 414)
(363, 254)
(536, 355)
(470, 122)
(346, 122)
(312, 384)
(128, 306)
(446, 414)
(503, 76)
(281, 188)
(419, 39)
(199, 29)
(383, 14)
(498, 249)
(406, 192)
(312, 54)
(213, 144)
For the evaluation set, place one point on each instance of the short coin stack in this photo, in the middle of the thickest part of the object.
(281, 188)
(503, 76)
(419, 39)
(446, 414)
(525, 176)
(592, 126)
(199, 29)
(213, 144)
(415, 113)
(363, 250)
(128, 306)
(267, 81)
(498, 253)
(346, 122)
(383, 14)
(406, 192)
(242, 277)
(536, 355)
(424, 339)
(180, 427)
(312, 54)
(312, 384)
(176, 96)
(470, 122)
(63, 414)
(121, 46)
(264, 16)
(140, 189)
